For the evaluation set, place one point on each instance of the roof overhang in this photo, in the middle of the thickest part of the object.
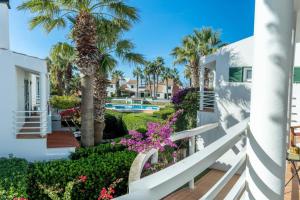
(5, 1)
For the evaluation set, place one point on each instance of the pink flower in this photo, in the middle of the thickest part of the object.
(82, 179)
(20, 198)
(147, 165)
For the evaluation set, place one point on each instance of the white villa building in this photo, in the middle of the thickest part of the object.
(129, 87)
(26, 118)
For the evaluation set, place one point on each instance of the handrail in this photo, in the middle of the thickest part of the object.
(164, 182)
(30, 122)
(141, 159)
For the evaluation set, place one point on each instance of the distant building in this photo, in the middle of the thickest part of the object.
(129, 89)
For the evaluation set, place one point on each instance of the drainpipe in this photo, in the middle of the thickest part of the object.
(266, 147)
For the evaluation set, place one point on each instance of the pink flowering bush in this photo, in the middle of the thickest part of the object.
(158, 136)
(108, 193)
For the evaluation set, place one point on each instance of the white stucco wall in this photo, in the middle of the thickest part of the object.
(233, 104)
(14, 68)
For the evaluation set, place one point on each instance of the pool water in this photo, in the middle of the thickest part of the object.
(133, 108)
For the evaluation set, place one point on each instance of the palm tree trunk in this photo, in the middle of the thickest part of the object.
(137, 87)
(154, 93)
(88, 58)
(167, 89)
(101, 83)
(150, 85)
(69, 73)
(157, 80)
(87, 111)
(195, 75)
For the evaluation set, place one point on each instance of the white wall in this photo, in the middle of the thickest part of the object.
(12, 66)
(233, 103)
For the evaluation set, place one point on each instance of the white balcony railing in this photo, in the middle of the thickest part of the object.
(30, 122)
(207, 101)
(168, 180)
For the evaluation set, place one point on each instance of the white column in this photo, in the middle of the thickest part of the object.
(192, 141)
(201, 86)
(43, 100)
(266, 147)
(4, 25)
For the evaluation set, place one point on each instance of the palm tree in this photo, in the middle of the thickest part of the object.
(166, 76)
(62, 58)
(117, 75)
(83, 17)
(123, 49)
(188, 75)
(138, 73)
(147, 74)
(200, 43)
(159, 67)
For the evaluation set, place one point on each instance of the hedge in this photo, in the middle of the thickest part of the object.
(13, 178)
(101, 171)
(99, 150)
(64, 102)
(114, 125)
(164, 113)
(138, 121)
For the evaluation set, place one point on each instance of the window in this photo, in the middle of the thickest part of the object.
(169, 87)
(247, 76)
(297, 75)
(158, 95)
(132, 86)
(111, 86)
(240, 74)
(236, 74)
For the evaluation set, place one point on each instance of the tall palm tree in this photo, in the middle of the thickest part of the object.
(147, 74)
(117, 75)
(159, 67)
(62, 59)
(188, 74)
(83, 17)
(138, 74)
(166, 76)
(122, 49)
(201, 43)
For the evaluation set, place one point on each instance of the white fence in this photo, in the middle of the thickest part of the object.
(166, 181)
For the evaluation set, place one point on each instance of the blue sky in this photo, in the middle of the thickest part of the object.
(162, 25)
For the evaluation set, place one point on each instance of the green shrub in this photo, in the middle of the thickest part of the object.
(13, 178)
(114, 126)
(99, 150)
(138, 121)
(164, 113)
(64, 102)
(100, 170)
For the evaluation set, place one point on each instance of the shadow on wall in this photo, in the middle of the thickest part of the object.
(280, 61)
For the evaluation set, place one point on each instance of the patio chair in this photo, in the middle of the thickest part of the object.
(293, 135)
(292, 158)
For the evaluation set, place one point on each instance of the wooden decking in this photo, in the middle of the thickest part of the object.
(61, 139)
(292, 190)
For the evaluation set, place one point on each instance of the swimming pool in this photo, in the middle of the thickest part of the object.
(131, 108)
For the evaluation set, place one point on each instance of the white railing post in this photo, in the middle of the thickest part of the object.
(192, 151)
(43, 103)
(266, 147)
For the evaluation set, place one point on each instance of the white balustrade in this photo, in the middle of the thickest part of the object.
(166, 181)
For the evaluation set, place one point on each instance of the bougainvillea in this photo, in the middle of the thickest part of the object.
(158, 136)
(108, 193)
(178, 97)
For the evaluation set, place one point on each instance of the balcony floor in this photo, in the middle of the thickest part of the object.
(61, 139)
(292, 190)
